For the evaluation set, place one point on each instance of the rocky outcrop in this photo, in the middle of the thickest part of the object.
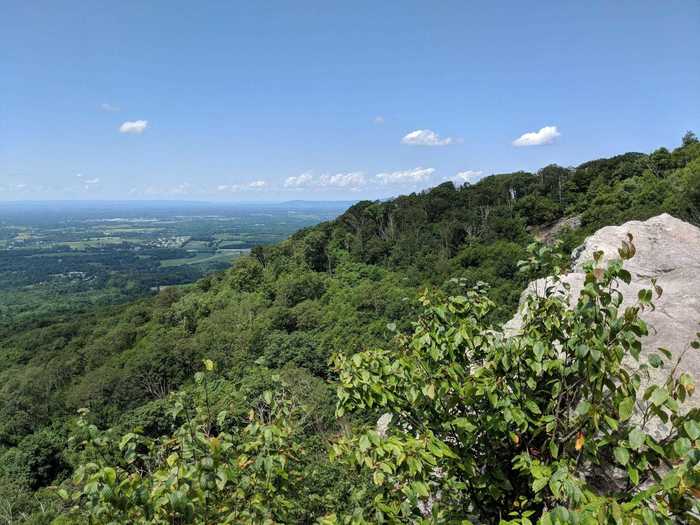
(667, 249)
(548, 234)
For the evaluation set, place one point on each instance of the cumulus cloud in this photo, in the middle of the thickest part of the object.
(181, 189)
(343, 180)
(133, 126)
(425, 137)
(92, 181)
(546, 135)
(405, 177)
(351, 180)
(298, 181)
(466, 176)
(379, 119)
(108, 107)
(357, 180)
(233, 188)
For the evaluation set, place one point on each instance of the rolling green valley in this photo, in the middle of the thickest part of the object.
(251, 395)
(66, 257)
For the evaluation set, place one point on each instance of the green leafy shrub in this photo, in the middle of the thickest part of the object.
(550, 426)
(555, 425)
(205, 472)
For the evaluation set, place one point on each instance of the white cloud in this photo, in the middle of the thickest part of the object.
(233, 188)
(344, 180)
(546, 135)
(425, 137)
(405, 177)
(466, 176)
(108, 107)
(299, 181)
(181, 189)
(379, 119)
(352, 180)
(92, 181)
(79, 175)
(133, 126)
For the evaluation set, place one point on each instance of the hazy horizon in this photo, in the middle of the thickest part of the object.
(175, 200)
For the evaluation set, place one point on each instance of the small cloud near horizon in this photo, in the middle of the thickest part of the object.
(233, 188)
(352, 181)
(425, 137)
(184, 188)
(135, 127)
(470, 176)
(298, 181)
(357, 180)
(406, 176)
(545, 135)
(109, 107)
(379, 119)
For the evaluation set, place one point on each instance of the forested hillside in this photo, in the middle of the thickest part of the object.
(272, 323)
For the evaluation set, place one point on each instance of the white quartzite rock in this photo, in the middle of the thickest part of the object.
(668, 249)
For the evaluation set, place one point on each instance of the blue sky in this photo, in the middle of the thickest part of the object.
(330, 100)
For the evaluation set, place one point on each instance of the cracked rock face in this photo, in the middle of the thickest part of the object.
(668, 249)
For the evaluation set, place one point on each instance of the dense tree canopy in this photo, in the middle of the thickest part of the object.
(284, 311)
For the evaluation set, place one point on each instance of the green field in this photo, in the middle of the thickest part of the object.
(78, 256)
(218, 256)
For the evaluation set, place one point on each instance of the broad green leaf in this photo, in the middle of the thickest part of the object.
(539, 484)
(682, 446)
(625, 408)
(636, 438)
(464, 424)
(692, 428)
(554, 449)
(110, 475)
(611, 422)
(378, 477)
(364, 443)
(622, 455)
(659, 396)
(655, 361)
(583, 407)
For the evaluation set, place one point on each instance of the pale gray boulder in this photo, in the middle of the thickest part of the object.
(668, 249)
